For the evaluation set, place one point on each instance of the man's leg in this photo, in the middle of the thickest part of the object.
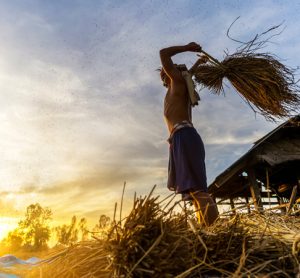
(206, 208)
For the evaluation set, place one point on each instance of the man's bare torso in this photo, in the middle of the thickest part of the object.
(176, 105)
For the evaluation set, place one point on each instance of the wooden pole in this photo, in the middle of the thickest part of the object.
(292, 199)
(281, 203)
(255, 191)
(232, 206)
(248, 207)
(268, 186)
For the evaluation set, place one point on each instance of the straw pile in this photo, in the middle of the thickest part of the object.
(151, 243)
(157, 242)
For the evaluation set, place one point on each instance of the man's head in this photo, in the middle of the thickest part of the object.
(165, 78)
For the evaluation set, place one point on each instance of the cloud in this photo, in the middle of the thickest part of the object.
(8, 209)
(97, 190)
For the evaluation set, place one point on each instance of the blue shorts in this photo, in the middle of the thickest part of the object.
(187, 171)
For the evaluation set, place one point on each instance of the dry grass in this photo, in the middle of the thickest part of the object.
(267, 86)
(154, 241)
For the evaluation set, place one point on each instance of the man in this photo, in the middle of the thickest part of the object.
(187, 173)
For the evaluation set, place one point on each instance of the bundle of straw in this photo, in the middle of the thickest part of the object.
(260, 79)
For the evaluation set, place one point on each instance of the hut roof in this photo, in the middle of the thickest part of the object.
(279, 149)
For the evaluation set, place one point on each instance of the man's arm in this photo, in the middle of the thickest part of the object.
(167, 53)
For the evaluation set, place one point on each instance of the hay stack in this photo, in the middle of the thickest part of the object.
(151, 243)
(262, 81)
(156, 242)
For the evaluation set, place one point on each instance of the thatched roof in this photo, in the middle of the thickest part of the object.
(278, 151)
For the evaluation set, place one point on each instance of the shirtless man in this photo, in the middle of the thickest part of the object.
(187, 173)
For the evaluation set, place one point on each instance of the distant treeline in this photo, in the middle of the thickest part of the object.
(34, 230)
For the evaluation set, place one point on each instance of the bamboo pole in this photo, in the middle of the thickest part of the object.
(255, 192)
(292, 199)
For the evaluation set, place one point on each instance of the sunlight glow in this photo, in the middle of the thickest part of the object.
(7, 224)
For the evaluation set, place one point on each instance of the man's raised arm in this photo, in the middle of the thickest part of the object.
(167, 53)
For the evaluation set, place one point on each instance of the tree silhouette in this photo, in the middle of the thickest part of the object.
(67, 234)
(35, 226)
(33, 232)
(104, 221)
(83, 228)
(14, 240)
(101, 229)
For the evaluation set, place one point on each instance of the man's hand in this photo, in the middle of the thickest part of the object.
(202, 60)
(193, 47)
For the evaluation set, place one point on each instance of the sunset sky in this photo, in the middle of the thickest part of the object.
(81, 100)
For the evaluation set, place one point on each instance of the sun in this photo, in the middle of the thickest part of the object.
(7, 224)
